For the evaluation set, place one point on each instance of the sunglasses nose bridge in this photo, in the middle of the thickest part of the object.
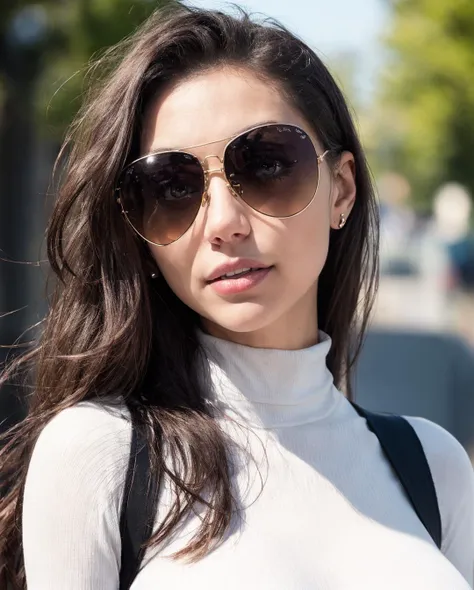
(213, 156)
(207, 174)
(208, 171)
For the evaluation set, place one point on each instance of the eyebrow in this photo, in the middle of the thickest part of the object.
(154, 149)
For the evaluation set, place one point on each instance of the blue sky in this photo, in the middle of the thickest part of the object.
(330, 26)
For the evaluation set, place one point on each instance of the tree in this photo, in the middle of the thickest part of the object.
(88, 27)
(428, 94)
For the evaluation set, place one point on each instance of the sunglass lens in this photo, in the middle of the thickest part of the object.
(161, 195)
(274, 169)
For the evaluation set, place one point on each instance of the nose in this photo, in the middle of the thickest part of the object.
(226, 220)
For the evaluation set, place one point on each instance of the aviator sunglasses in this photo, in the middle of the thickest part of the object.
(273, 168)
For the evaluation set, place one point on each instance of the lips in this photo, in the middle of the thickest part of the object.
(232, 268)
(241, 283)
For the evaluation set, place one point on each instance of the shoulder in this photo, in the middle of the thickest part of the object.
(446, 456)
(89, 428)
(88, 444)
(86, 422)
(72, 498)
(453, 477)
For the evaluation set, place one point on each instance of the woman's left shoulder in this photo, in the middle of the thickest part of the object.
(447, 458)
(453, 477)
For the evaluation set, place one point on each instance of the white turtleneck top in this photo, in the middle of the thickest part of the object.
(322, 509)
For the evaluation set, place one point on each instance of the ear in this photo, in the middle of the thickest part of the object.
(344, 190)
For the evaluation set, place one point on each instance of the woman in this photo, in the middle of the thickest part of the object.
(214, 235)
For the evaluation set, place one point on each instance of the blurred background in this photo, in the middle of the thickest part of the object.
(406, 68)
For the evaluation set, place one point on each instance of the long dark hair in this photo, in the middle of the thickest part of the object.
(111, 329)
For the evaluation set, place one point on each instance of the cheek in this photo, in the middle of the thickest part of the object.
(308, 241)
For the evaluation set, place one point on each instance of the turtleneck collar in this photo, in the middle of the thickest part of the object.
(270, 388)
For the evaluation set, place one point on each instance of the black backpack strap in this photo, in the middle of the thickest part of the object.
(404, 451)
(138, 509)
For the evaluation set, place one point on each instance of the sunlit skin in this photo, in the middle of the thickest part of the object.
(281, 311)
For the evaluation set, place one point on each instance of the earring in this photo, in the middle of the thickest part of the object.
(154, 275)
(342, 221)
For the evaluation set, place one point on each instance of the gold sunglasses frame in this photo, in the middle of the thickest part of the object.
(205, 195)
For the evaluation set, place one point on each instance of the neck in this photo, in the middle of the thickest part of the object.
(270, 387)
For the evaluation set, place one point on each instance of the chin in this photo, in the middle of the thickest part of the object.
(240, 318)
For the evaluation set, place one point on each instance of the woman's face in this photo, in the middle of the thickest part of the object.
(276, 307)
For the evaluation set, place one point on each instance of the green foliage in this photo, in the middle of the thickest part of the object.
(76, 31)
(88, 27)
(428, 91)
